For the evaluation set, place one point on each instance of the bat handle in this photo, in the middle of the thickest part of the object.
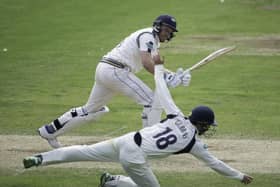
(188, 69)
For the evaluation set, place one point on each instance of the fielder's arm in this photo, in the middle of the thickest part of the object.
(200, 151)
(163, 93)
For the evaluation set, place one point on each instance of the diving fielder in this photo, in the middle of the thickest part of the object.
(176, 134)
(115, 74)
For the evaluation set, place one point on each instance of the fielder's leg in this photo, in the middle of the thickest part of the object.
(103, 151)
(133, 160)
(108, 180)
(141, 174)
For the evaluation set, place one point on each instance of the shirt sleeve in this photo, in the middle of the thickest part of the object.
(201, 152)
(146, 42)
(163, 93)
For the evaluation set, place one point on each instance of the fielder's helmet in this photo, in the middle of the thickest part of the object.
(166, 20)
(204, 115)
(203, 118)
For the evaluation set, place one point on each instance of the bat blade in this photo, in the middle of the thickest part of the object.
(211, 57)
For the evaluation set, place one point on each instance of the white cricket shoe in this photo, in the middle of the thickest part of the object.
(52, 140)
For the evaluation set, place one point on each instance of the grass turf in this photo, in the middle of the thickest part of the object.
(54, 46)
(88, 178)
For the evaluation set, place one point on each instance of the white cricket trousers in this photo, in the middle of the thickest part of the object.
(110, 80)
(122, 149)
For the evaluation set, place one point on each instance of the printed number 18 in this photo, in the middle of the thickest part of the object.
(163, 141)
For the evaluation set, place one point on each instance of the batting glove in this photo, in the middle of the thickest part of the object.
(173, 79)
(186, 78)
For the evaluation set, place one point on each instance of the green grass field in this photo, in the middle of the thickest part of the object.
(49, 51)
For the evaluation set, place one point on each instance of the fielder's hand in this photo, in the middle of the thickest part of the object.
(186, 78)
(247, 179)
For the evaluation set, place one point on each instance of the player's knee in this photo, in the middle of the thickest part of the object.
(97, 114)
(93, 108)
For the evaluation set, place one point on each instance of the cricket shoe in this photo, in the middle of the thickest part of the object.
(106, 177)
(31, 161)
(44, 132)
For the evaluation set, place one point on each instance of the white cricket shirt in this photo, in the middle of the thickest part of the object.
(128, 51)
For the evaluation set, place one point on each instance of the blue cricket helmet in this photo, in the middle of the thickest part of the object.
(203, 115)
(166, 20)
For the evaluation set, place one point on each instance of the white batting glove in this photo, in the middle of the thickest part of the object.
(186, 78)
(173, 79)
